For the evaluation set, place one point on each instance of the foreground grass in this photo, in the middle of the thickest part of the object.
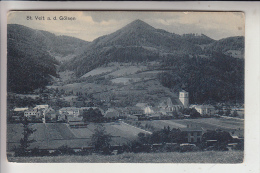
(173, 157)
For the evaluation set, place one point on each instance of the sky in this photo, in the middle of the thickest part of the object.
(89, 25)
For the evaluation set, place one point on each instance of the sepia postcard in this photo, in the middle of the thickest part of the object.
(125, 87)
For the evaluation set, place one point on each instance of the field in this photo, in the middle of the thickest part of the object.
(54, 135)
(230, 125)
(174, 157)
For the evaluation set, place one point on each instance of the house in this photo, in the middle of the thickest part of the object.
(74, 119)
(33, 113)
(111, 113)
(41, 107)
(20, 109)
(63, 117)
(166, 105)
(155, 116)
(51, 114)
(135, 111)
(70, 111)
(204, 109)
(193, 134)
(132, 117)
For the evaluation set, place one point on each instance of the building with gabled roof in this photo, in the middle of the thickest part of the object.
(70, 111)
(204, 109)
(193, 134)
(20, 109)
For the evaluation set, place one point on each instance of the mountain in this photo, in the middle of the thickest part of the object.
(137, 63)
(198, 39)
(30, 56)
(232, 46)
(136, 42)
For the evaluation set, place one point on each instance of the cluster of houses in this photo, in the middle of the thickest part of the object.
(164, 108)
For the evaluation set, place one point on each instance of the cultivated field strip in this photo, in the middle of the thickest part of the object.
(82, 132)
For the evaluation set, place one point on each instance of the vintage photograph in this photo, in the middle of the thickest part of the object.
(125, 87)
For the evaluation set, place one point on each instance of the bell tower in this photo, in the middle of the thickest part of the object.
(184, 98)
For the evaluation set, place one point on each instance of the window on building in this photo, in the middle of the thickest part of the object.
(191, 133)
(198, 139)
(191, 140)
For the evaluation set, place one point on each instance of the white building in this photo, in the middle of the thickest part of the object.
(33, 113)
(184, 98)
(70, 111)
(20, 109)
(205, 109)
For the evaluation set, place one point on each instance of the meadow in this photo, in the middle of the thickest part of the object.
(171, 157)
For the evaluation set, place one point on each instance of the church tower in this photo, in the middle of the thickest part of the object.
(184, 98)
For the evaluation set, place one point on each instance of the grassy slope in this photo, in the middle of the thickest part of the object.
(174, 157)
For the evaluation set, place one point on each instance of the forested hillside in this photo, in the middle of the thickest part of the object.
(137, 41)
(219, 78)
(29, 57)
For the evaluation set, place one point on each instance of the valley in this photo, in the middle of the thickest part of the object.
(146, 87)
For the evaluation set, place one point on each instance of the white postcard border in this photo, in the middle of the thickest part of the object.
(252, 35)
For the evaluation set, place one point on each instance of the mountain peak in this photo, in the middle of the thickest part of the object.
(139, 24)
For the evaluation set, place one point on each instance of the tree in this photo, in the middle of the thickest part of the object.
(24, 141)
(194, 113)
(92, 115)
(100, 140)
(235, 114)
(220, 112)
(222, 138)
(228, 112)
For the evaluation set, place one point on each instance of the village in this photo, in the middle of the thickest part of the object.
(126, 124)
(141, 111)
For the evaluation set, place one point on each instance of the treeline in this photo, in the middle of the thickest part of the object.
(219, 78)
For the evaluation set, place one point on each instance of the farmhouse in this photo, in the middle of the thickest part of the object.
(204, 109)
(192, 134)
